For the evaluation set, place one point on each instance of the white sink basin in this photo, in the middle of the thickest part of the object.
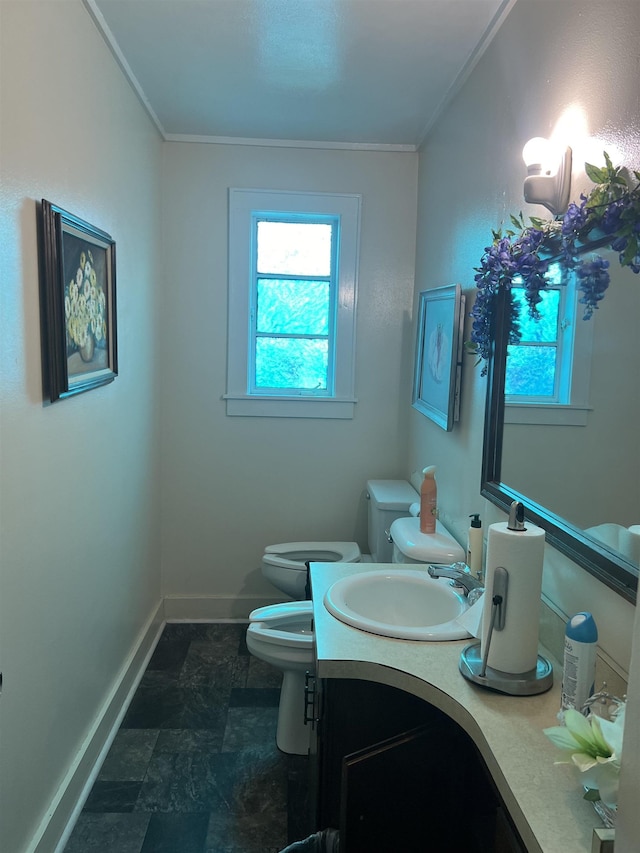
(401, 603)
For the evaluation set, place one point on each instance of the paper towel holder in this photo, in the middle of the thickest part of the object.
(473, 665)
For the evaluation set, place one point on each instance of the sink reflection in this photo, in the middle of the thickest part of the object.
(405, 604)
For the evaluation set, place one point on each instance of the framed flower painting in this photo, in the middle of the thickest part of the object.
(78, 297)
(439, 345)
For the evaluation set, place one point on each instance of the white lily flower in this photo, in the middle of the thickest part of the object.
(594, 745)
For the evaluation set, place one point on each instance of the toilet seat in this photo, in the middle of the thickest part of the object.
(295, 555)
(285, 565)
(286, 624)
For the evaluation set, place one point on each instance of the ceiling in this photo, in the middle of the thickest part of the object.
(343, 73)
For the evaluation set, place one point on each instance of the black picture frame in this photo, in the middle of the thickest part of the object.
(438, 361)
(78, 304)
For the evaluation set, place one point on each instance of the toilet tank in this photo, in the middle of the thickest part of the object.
(388, 500)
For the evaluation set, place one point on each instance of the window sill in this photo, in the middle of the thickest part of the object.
(289, 407)
(549, 414)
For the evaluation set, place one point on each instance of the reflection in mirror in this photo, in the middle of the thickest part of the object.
(575, 462)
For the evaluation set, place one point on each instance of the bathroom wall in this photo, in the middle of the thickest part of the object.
(231, 485)
(79, 479)
(628, 825)
(570, 66)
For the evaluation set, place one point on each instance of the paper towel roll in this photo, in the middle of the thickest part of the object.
(632, 544)
(514, 649)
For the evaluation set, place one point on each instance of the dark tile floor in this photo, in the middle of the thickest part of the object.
(194, 767)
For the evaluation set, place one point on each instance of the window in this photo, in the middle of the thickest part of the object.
(292, 301)
(292, 318)
(548, 371)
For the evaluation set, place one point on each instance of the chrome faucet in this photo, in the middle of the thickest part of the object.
(460, 576)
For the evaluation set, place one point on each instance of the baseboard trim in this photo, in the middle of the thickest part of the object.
(213, 608)
(57, 824)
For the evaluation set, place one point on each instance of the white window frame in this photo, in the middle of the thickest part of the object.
(575, 345)
(244, 204)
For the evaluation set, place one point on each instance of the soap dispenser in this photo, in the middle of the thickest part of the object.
(474, 546)
(428, 501)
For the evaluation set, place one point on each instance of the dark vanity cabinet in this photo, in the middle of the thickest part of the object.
(394, 773)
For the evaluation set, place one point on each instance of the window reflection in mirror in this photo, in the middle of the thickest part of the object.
(578, 458)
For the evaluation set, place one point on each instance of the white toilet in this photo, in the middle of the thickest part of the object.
(282, 634)
(285, 565)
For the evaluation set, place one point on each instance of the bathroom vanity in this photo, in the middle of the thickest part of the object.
(401, 734)
(392, 769)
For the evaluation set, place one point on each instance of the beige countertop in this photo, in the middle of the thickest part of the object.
(544, 799)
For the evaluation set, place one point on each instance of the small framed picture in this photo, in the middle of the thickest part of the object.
(78, 297)
(438, 366)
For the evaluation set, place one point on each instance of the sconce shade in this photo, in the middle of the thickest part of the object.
(548, 180)
(538, 154)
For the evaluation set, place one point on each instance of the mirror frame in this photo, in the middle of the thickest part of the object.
(606, 565)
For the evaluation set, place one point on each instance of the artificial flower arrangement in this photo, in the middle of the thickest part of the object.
(609, 216)
(85, 309)
(594, 745)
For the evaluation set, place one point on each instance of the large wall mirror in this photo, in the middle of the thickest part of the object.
(579, 478)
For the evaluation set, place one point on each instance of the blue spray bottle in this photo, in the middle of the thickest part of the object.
(580, 644)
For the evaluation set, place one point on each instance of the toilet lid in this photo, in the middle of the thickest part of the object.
(287, 624)
(438, 547)
(294, 555)
(303, 640)
(273, 612)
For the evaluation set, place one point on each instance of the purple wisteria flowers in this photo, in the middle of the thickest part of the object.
(593, 280)
(609, 216)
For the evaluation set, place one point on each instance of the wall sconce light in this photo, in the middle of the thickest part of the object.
(548, 180)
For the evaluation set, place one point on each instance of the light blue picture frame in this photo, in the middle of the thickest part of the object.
(438, 361)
